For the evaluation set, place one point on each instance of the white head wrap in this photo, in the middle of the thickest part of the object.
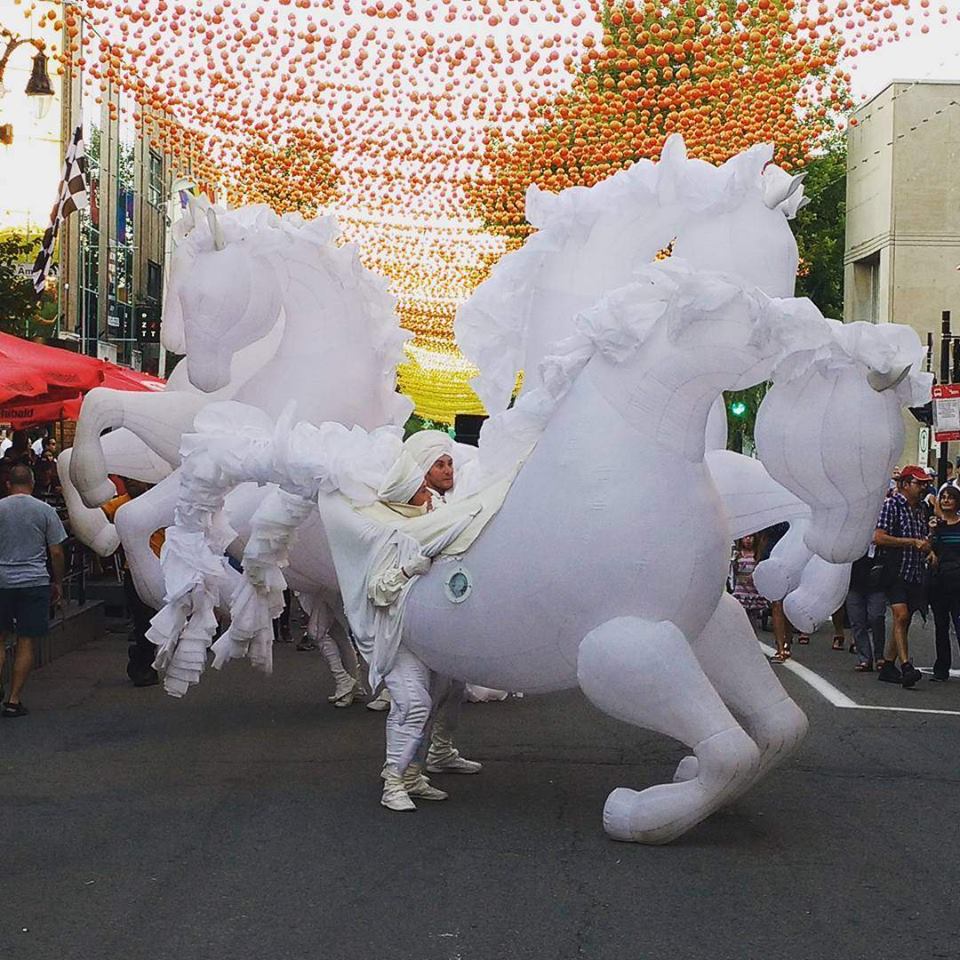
(402, 481)
(427, 447)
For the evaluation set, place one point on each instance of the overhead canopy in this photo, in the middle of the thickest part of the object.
(39, 384)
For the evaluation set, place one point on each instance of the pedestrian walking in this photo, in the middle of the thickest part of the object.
(945, 582)
(867, 612)
(902, 534)
(28, 529)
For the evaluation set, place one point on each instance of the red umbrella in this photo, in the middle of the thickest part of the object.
(29, 369)
(39, 384)
(117, 378)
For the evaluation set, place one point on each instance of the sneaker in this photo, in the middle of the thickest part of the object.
(14, 710)
(452, 763)
(937, 678)
(890, 673)
(381, 702)
(419, 786)
(909, 675)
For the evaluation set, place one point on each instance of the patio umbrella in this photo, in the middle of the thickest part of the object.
(29, 370)
(40, 384)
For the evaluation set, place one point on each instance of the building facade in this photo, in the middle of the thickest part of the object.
(111, 263)
(902, 248)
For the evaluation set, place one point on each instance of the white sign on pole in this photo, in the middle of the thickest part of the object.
(923, 447)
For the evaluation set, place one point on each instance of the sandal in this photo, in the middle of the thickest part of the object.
(864, 668)
(780, 657)
(14, 710)
(803, 639)
(838, 643)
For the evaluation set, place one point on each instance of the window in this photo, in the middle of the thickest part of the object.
(154, 282)
(155, 189)
(866, 288)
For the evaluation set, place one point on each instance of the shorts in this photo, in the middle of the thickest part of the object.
(914, 595)
(25, 611)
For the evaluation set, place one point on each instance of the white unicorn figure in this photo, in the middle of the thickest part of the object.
(265, 308)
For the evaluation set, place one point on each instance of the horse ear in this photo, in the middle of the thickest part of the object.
(884, 381)
(779, 186)
(216, 231)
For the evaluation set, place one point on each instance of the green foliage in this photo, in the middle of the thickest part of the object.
(819, 228)
(417, 423)
(19, 305)
(742, 407)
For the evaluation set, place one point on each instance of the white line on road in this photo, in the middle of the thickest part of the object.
(837, 697)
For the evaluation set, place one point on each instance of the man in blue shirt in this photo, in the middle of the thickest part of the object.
(28, 528)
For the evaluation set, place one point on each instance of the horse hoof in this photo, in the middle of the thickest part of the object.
(687, 769)
(98, 494)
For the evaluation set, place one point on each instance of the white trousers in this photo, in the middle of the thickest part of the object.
(418, 695)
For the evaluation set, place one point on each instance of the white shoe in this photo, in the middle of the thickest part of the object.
(455, 764)
(381, 702)
(345, 691)
(395, 796)
(443, 757)
(417, 785)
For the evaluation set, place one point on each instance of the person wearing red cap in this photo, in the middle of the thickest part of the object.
(902, 533)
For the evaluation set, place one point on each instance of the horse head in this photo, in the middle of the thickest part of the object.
(225, 290)
(743, 229)
(590, 241)
(830, 428)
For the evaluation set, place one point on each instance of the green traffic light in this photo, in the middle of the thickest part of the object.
(738, 408)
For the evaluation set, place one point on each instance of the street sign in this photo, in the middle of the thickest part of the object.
(946, 412)
(923, 447)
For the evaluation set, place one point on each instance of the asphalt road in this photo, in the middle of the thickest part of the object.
(243, 822)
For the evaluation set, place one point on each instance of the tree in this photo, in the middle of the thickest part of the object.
(820, 228)
(723, 74)
(19, 304)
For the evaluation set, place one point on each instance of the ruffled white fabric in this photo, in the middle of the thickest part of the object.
(492, 326)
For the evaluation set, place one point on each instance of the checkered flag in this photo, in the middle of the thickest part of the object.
(73, 196)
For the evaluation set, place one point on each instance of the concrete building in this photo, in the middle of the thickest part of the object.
(903, 214)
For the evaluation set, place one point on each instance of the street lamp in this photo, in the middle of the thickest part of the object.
(38, 88)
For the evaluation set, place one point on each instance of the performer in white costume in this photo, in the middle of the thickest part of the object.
(433, 451)
(409, 681)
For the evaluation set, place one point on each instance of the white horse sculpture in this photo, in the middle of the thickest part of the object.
(264, 309)
(605, 566)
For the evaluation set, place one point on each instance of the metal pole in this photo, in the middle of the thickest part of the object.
(944, 379)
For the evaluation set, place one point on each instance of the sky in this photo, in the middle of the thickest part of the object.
(931, 56)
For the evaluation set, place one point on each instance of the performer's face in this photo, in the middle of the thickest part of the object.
(440, 475)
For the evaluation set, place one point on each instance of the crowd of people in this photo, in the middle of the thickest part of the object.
(912, 566)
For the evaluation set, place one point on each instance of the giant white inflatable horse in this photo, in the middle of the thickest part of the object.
(606, 563)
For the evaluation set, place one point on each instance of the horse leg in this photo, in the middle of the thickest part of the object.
(644, 673)
(127, 456)
(158, 419)
(89, 524)
(135, 522)
(731, 658)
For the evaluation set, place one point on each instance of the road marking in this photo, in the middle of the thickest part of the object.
(838, 698)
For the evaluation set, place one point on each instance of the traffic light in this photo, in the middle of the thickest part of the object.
(738, 408)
